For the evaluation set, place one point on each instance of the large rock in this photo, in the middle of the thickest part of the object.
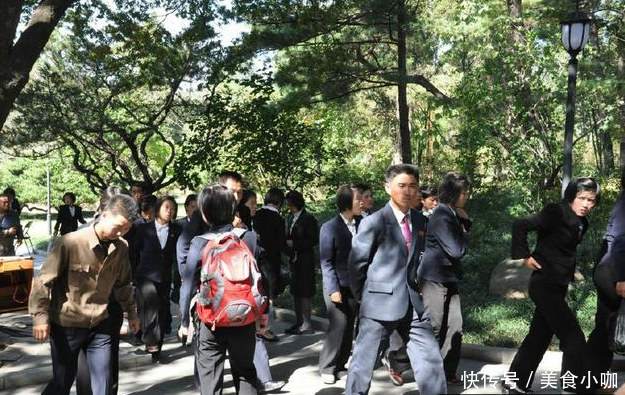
(510, 279)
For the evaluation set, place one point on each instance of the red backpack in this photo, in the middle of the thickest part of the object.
(230, 292)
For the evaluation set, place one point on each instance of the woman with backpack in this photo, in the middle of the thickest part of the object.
(217, 206)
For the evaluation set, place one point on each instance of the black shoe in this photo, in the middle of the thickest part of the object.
(293, 330)
(508, 389)
(271, 386)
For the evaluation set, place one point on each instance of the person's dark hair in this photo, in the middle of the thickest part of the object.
(582, 184)
(224, 176)
(274, 196)
(362, 188)
(71, 195)
(147, 203)
(122, 205)
(140, 184)
(107, 193)
(345, 198)
(623, 180)
(427, 191)
(10, 192)
(217, 204)
(451, 187)
(190, 198)
(394, 170)
(247, 195)
(296, 199)
(161, 201)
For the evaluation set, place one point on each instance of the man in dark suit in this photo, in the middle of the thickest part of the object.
(269, 225)
(190, 205)
(382, 268)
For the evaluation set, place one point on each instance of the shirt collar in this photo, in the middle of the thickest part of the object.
(94, 241)
(271, 208)
(399, 215)
(161, 227)
(348, 222)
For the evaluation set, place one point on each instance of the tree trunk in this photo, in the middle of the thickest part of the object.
(402, 100)
(15, 68)
(620, 75)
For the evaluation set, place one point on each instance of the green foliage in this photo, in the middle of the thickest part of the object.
(28, 178)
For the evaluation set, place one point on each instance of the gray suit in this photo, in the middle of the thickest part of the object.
(383, 279)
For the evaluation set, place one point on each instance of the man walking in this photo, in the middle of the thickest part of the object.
(69, 298)
(10, 228)
(382, 266)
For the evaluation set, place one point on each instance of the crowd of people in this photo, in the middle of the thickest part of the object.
(390, 283)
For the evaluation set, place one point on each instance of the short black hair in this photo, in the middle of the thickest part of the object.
(9, 191)
(428, 191)
(139, 184)
(190, 198)
(296, 199)
(161, 201)
(402, 168)
(71, 195)
(122, 205)
(224, 176)
(217, 204)
(247, 195)
(362, 188)
(451, 187)
(274, 196)
(147, 203)
(107, 193)
(582, 184)
(345, 198)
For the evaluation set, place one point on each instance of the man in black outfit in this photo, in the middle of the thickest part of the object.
(270, 226)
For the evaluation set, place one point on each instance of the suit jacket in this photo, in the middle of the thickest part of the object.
(614, 240)
(382, 272)
(155, 263)
(446, 243)
(305, 236)
(335, 244)
(66, 221)
(269, 226)
(559, 232)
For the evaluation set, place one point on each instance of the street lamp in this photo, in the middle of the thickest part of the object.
(575, 32)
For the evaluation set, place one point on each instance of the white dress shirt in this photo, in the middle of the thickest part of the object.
(162, 231)
(351, 225)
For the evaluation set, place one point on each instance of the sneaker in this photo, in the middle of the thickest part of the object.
(307, 331)
(328, 378)
(268, 335)
(271, 386)
(341, 373)
(395, 376)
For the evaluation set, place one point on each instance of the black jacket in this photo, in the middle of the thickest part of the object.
(65, 220)
(153, 262)
(446, 243)
(269, 226)
(559, 232)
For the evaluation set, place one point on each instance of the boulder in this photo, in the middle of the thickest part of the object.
(510, 279)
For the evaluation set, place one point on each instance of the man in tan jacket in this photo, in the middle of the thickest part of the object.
(69, 298)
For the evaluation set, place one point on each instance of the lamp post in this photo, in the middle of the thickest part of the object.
(575, 33)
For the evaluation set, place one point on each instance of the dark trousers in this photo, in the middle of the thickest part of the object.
(608, 303)
(338, 342)
(153, 309)
(442, 303)
(210, 356)
(551, 316)
(65, 345)
(426, 362)
(83, 376)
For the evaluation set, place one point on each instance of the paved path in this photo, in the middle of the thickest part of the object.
(294, 359)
